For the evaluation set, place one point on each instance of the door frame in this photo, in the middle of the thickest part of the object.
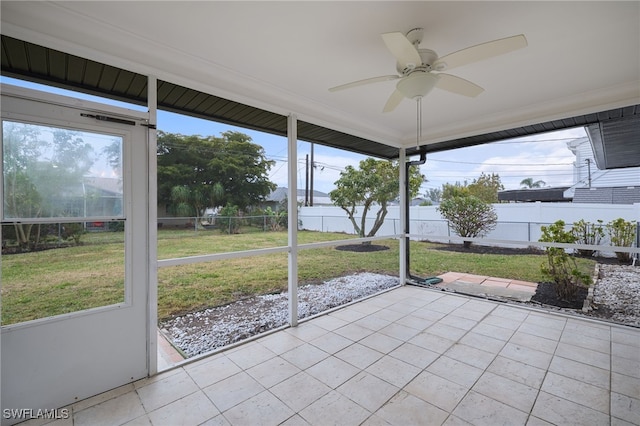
(51, 362)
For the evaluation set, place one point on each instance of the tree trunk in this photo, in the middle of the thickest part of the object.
(382, 213)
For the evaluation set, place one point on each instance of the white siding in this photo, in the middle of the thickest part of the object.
(599, 178)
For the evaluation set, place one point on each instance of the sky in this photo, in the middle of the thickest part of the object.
(543, 157)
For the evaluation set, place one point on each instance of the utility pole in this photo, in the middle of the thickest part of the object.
(313, 166)
(588, 160)
(306, 182)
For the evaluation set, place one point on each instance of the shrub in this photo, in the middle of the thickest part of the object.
(116, 226)
(587, 233)
(560, 266)
(469, 216)
(276, 220)
(73, 232)
(228, 219)
(622, 234)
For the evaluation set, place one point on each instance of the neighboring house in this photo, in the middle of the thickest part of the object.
(278, 197)
(422, 201)
(608, 195)
(94, 196)
(531, 195)
(592, 185)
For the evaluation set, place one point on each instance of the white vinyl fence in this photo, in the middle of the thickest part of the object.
(520, 222)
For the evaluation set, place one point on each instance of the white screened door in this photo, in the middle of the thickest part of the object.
(75, 273)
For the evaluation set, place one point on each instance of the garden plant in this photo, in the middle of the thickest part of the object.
(622, 234)
(560, 266)
(589, 234)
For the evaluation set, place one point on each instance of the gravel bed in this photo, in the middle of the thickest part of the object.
(616, 298)
(616, 295)
(206, 330)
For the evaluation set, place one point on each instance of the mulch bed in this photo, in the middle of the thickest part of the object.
(546, 295)
(480, 249)
(362, 248)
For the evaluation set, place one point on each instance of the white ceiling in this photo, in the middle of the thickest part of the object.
(582, 57)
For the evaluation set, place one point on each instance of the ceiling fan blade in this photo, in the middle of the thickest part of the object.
(393, 101)
(480, 52)
(363, 82)
(402, 49)
(458, 85)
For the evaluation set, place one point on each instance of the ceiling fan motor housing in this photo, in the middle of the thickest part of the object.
(427, 56)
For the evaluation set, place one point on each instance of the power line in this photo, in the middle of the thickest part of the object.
(502, 164)
(536, 141)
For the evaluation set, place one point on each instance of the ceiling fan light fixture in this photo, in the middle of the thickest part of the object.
(417, 84)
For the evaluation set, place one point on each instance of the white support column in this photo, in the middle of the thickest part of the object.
(152, 234)
(404, 273)
(292, 196)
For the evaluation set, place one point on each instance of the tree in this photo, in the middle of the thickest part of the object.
(189, 201)
(454, 190)
(375, 183)
(469, 216)
(486, 187)
(434, 194)
(41, 174)
(529, 183)
(201, 165)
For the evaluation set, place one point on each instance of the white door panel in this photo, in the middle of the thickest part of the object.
(53, 361)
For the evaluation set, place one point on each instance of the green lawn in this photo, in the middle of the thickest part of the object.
(52, 282)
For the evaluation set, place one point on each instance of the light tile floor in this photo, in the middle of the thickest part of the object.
(410, 356)
(451, 277)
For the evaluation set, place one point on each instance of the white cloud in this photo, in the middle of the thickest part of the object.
(540, 157)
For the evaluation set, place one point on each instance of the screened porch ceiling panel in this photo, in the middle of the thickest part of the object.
(38, 64)
(252, 63)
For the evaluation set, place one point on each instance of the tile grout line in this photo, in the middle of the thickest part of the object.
(450, 413)
(546, 371)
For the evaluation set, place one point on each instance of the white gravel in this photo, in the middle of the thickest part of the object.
(616, 298)
(206, 330)
(617, 293)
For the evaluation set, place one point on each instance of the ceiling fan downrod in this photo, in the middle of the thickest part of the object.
(419, 120)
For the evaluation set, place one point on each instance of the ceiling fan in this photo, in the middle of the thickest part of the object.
(416, 66)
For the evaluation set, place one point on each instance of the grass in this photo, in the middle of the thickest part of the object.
(52, 282)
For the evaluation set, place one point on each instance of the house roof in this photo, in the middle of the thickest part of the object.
(279, 62)
(555, 194)
(280, 194)
(615, 141)
(112, 186)
(608, 195)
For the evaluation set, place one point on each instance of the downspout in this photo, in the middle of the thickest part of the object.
(422, 160)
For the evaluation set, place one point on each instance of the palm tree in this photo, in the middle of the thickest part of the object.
(529, 183)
